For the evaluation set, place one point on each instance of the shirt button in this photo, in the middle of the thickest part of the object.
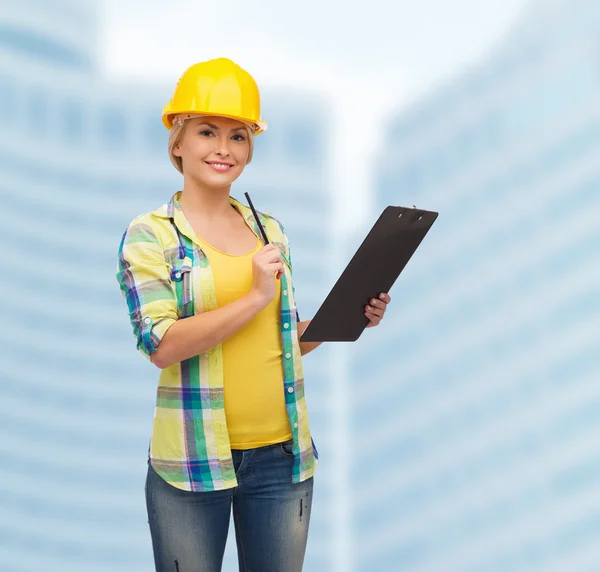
(147, 320)
(285, 292)
(295, 425)
(178, 275)
(286, 326)
(290, 390)
(288, 355)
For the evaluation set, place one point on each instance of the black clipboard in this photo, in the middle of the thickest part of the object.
(374, 268)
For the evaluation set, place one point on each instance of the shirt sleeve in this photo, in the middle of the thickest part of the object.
(144, 280)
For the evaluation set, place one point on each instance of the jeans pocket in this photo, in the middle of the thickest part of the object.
(287, 448)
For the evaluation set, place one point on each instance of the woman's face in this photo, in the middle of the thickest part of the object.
(214, 150)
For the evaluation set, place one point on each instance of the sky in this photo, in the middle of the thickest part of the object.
(367, 57)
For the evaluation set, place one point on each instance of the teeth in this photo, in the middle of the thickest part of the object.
(220, 166)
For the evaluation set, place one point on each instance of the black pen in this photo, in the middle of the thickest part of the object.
(262, 230)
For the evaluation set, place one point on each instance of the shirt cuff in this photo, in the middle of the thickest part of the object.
(151, 333)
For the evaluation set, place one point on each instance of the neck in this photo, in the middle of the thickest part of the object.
(212, 203)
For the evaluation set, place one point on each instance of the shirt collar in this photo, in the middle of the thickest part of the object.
(172, 210)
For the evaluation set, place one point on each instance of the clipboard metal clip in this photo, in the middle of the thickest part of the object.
(414, 208)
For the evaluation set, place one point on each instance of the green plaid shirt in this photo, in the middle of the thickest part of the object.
(165, 276)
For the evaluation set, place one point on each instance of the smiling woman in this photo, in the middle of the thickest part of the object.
(214, 308)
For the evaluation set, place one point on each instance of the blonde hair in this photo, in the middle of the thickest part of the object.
(178, 131)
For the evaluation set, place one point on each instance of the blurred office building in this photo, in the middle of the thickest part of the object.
(475, 431)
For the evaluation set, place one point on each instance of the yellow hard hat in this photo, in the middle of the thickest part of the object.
(216, 87)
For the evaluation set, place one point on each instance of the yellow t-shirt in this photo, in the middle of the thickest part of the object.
(252, 371)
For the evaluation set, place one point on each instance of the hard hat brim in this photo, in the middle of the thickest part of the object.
(261, 126)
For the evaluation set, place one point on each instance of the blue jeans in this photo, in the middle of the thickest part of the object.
(270, 513)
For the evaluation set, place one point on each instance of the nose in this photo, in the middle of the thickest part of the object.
(222, 145)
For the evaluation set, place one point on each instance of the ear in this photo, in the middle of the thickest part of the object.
(177, 150)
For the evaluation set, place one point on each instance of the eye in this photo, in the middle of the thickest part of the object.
(239, 138)
(206, 132)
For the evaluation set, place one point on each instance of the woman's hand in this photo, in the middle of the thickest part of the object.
(375, 310)
(267, 267)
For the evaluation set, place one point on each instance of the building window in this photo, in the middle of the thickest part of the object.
(8, 100)
(36, 111)
(71, 121)
(156, 135)
(40, 47)
(112, 128)
(303, 142)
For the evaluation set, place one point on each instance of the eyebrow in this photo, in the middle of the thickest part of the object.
(213, 126)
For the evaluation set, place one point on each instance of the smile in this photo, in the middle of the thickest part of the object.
(219, 166)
